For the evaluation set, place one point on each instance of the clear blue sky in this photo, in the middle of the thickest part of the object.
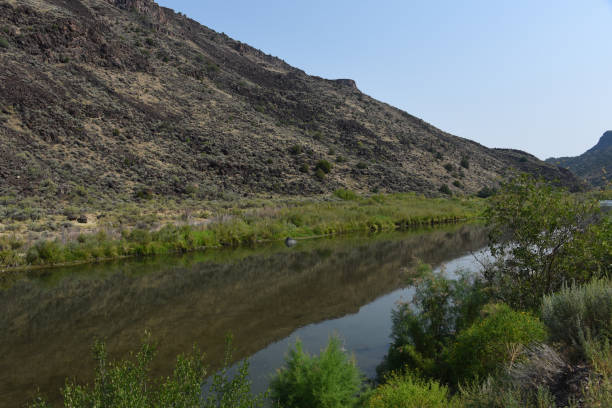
(535, 75)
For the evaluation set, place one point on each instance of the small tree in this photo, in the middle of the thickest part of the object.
(533, 225)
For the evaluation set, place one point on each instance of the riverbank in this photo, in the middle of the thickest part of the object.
(225, 225)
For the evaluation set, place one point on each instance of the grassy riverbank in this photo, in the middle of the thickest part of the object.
(236, 225)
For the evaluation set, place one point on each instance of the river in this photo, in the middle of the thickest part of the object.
(267, 297)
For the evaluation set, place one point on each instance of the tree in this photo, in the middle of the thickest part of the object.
(533, 230)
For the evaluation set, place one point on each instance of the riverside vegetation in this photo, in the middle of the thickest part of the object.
(120, 234)
(475, 341)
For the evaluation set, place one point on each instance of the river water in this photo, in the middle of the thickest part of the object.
(267, 297)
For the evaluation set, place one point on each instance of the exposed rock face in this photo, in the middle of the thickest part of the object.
(124, 96)
(144, 7)
(347, 82)
(594, 165)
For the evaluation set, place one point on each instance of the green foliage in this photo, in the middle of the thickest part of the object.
(295, 149)
(330, 380)
(449, 167)
(494, 392)
(324, 166)
(445, 190)
(457, 184)
(409, 392)
(465, 163)
(486, 192)
(577, 315)
(304, 168)
(533, 227)
(3, 43)
(127, 383)
(345, 194)
(483, 348)
(319, 174)
(423, 331)
(376, 213)
(362, 165)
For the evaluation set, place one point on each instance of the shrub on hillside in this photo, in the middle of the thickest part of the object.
(485, 346)
(345, 194)
(409, 392)
(324, 166)
(445, 190)
(577, 315)
(330, 380)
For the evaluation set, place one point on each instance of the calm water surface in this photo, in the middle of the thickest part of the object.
(267, 297)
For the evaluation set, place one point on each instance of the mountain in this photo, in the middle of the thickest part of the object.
(114, 98)
(594, 165)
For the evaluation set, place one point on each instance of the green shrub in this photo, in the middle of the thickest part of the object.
(320, 175)
(465, 163)
(486, 192)
(127, 383)
(409, 392)
(295, 149)
(362, 165)
(3, 43)
(483, 348)
(330, 380)
(423, 330)
(457, 184)
(48, 252)
(345, 194)
(535, 230)
(304, 168)
(340, 159)
(445, 190)
(578, 314)
(324, 165)
(449, 167)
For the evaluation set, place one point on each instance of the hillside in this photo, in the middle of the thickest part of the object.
(116, 99)
(594, 165)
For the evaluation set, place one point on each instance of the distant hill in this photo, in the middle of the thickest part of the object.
(119, 98)
(594, 165)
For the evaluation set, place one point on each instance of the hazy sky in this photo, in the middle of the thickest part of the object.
(535, 75)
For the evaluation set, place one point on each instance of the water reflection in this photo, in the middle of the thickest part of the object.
(49, 321)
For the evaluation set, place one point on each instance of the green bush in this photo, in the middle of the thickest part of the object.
(409, 392)
(48, 252)
(483, 348)
(449, 167)
(457, 184)
(127, 383)
(362, 165)
(445, 190)
(535, 230)
(304, 168)
(578, 314)
(423, 330)
(345, 194)
(295, 149)
(324, 166)
(465, 163)
(3, 43)
(330, 380)
(320, 175)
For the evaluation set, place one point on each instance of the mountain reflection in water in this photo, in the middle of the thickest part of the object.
(50, 319)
